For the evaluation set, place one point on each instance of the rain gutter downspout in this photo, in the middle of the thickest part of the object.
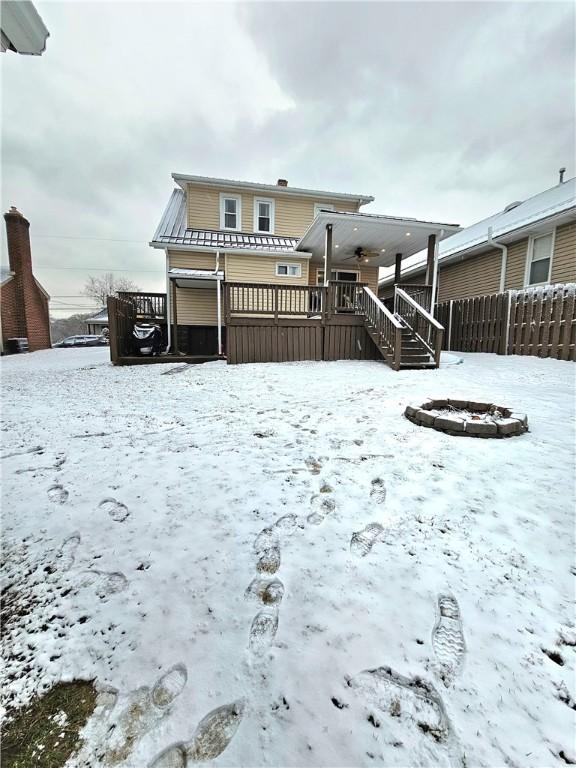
(168, 305)
(504, 250)
(218, 303)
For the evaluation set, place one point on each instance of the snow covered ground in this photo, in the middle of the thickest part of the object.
(271, 563)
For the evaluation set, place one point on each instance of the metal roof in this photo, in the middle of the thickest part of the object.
(99, 317)
(183, 179)
(172, 231)
(200, 274)
(22, 29)
(554, 204)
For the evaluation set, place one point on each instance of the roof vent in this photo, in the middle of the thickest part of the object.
(281, 183)
(512, 205)
(561, 173)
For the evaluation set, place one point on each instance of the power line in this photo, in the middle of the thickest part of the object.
(104, 269)
(98, 239)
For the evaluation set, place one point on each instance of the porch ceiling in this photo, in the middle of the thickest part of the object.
(380, 237)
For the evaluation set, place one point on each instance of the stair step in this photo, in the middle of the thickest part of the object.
(415, 358)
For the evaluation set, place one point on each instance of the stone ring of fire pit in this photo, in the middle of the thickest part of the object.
(467, 418)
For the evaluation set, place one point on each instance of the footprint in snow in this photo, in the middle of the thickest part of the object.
(409, 704)
(213, 734)
(378, 490)
(58, 494)
(263, 630)
(287, 524)
(266, 539)
(67, 552)
(267, 591)
(362, 542)
(268, 560)
(448, 638)
(104, 584)
(117, 511)
(141, 710)
(326, 506)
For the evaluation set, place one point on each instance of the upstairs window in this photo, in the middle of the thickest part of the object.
(263, 215)
(539, 259)
(230, 212)
(289, 270)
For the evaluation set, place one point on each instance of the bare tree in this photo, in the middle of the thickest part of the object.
(99, 288)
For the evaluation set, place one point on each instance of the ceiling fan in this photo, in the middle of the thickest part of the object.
(361, 255)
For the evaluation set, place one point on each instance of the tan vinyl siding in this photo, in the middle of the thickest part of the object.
(293, 214)
(196, 306)
(472, 277)
(516, 265)
(193, 260)
(262, 269)
(564, 258)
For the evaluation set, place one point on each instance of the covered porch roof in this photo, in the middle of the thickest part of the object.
(369, 237)
(194, 278)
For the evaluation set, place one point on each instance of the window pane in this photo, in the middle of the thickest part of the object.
(294, 270)
(264, 209)
(230, 220)
(230, 205)
(539, 271)
(282, 269)
(263, 224)
(542, 248)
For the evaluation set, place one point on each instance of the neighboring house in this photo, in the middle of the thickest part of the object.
(96, 323)
(21, 28)
(23, 301)
(530, 243)
(275, 236)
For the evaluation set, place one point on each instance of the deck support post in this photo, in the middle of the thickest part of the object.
(175, 317)
(219, 303)
(398, 269)
(328, 266)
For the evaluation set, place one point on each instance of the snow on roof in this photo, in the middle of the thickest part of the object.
(100, 317)
(559, 199)
(172, 231)
(203, 274)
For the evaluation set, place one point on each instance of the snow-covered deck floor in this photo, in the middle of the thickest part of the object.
(132, 507)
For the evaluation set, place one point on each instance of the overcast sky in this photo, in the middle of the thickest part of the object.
(445, 111)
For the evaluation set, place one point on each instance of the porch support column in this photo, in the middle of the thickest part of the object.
(430, 259)
(398, 268)
(175, 317)
(328, 254)
(435, 274)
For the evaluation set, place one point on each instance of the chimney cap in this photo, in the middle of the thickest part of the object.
(14, 211)
(281, 183)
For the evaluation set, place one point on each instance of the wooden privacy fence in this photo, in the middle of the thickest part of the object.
(121, 319)
(537, 321)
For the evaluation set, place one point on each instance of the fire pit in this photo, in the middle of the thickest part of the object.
(467, 417)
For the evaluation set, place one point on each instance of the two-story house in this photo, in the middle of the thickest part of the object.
(286, 256)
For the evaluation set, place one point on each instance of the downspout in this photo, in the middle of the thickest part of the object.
(218, 304)
(435, 273)
(504, 250)
(168, 306)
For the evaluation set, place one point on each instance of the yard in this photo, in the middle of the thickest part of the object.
(325, 583)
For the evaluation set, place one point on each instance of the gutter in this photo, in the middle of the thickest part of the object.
(490, 241)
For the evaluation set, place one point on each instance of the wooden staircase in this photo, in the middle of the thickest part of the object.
(408, 338)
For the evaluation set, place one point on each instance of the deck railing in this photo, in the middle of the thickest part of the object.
(148, 306)
(427, 329)
(245, 299)
(422, 294)
(385, 329)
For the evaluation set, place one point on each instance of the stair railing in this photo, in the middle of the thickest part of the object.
(385, 329)
(426, 328)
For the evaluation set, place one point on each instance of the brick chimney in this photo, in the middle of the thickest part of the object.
(281, 183)
(29, 312)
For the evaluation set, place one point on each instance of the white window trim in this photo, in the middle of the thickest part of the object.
(337, 269)
(289, 264)
(271, 203)
(323, 207)
(529, 253)
(224, 196)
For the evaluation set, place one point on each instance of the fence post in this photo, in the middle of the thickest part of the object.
(450, 325)
(111, 305)
(505, 327)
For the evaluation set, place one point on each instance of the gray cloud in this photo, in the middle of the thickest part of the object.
(440, 110)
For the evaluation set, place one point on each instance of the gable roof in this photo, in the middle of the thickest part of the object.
(172, 231)
(555, 205)
(183, 179)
